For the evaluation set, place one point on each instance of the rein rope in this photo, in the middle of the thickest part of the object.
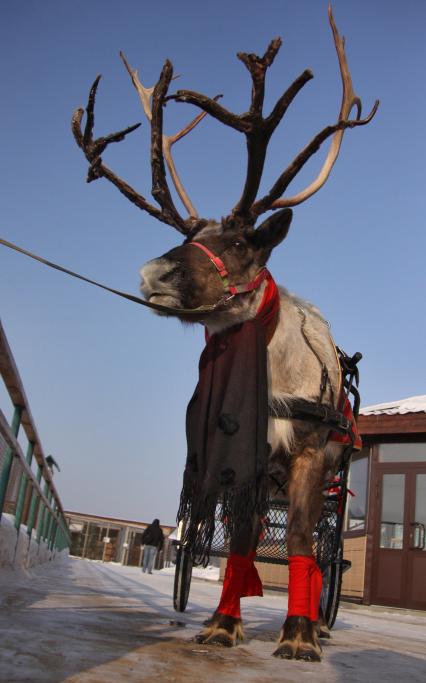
(233, 289)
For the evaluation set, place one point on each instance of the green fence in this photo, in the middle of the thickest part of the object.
(27, 490)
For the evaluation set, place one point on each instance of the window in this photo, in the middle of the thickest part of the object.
(392, 516)
(402, 452)
(357, 483)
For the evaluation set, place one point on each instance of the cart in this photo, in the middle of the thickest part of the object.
(272, 547)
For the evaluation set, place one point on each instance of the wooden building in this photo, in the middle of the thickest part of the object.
(113, 540)
(385, 537)
(386, 518)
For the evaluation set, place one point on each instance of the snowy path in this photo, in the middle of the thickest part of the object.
(88, 622)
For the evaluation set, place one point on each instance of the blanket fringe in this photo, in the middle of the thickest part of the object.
(235, 509)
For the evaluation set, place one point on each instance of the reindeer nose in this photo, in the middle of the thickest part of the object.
(170, 274)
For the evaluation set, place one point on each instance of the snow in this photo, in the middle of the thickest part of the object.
(413, 404)
(208, 573)
(18, 550)
(90, 622)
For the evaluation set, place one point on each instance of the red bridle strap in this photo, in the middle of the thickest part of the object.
(217, 262)
(223, 273)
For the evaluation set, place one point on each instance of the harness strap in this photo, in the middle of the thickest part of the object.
(301, 409)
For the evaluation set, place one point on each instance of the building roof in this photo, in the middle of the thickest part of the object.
(413, 404)
(74, 516)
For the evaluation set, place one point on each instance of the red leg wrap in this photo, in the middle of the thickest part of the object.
(241, 581)
(304, 587)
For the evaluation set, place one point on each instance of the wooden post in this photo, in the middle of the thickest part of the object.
(23, 487)
(33, 504)
(8, 457)
(41, 521)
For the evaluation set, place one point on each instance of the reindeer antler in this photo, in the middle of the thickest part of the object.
(145, 95)
(349, 101)
(258, 130)
(160, 147)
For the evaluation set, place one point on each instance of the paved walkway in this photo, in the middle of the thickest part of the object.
(88, 622)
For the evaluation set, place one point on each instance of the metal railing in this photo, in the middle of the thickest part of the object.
(27, 490)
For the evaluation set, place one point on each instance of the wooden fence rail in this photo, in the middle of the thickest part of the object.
(27, 490)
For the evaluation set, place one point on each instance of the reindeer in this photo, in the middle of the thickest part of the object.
(218, 278)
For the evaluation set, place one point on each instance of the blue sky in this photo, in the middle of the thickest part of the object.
(108, 381)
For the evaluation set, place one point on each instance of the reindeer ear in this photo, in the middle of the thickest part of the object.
(273, 230)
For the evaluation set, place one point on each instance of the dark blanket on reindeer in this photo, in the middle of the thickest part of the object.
(226, 425)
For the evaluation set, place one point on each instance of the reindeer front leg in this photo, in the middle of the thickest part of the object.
(241, 580)
(299, 634)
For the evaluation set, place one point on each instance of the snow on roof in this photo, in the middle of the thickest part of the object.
(413, 404)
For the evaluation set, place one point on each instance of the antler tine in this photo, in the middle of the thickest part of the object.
(349, 101)
(93, 148)
(258, 138)
(257, 67)
(160, 190)
(256, 129)
(168, 142)
(145, 95)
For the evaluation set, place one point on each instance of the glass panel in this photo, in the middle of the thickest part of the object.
(419, 540)
(402, 452)
(392, 518)
(94, 544)
(357, 483)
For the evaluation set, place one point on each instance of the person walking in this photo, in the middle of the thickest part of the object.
(152, 539)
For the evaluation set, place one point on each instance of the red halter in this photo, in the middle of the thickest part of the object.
(223, 274)
(268, 310)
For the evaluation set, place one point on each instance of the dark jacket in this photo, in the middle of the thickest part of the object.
(153, 535)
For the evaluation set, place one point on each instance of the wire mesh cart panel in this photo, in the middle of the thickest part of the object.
(272, 547)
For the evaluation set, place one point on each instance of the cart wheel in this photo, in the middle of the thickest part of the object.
(182, 583)
(331, 588)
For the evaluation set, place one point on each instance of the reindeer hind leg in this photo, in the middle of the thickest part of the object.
(299, 635)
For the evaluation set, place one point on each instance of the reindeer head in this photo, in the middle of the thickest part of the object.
(213, 265)
(218, 261)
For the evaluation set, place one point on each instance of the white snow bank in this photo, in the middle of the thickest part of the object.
(209, 573)
(20, 551)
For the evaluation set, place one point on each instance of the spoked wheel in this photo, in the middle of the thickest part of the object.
(183, 574)
(331, 588)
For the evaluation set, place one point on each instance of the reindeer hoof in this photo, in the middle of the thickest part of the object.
(220, 639)
(308, 654)
(221, 630)
(284, 651)
(324, 631)
(299, 640)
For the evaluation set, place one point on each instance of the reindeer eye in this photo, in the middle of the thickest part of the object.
(238, 245)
